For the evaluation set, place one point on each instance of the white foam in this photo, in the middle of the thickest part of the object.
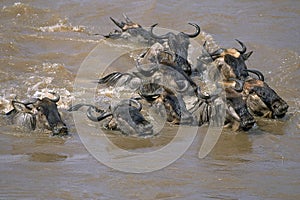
(61, 26)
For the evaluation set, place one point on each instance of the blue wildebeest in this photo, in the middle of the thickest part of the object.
(261, 99)
(178, 45)
(164, 99)
(125, 116)
(230, 62)
(38, 113)
(131, 31)
(167, 98)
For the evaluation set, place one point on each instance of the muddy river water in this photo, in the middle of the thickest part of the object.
(42, 46)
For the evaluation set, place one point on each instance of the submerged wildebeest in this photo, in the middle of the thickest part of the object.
(261, 99)
(38, 113)
(131, 31)
(125, 116)
(165, 100)
(178, 45)
(172, 89)
(229, 62)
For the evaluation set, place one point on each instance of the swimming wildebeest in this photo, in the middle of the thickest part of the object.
(230, 62)
(163, 99)
(261, 99)
(38, 113)
(178, 45)
(131, 31)
(125, 116)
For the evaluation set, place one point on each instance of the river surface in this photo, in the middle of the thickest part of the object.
(42, 46)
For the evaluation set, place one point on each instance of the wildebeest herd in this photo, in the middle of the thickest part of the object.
(164, 78)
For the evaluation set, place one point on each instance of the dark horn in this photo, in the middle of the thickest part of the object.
(110, 79)
(31, 101)
(139, 105)
(244, 49)
(117, 23)
(145, 72)
(214, 55)
(257, 73)
(197, 31)
(78, 106)
(239, 84)
(99, 118)
(155, 36)
(127, 18)
(56, 98)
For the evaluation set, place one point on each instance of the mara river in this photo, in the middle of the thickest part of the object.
(42, 46)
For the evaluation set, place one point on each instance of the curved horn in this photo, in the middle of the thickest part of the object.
(110, 79)
(120, 25)
(146, 72)
(196, 33)
(127, 18)
(257, 73)
(239, 84)
(56, 98)
(155, 36)
(139, 105)
(31, 101)
(78, 106)
(94, 118)
(244, 49)
(214, 55)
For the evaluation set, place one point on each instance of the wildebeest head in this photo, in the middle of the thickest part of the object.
(263, 100)
(126, 117)
(178, 45)
(164, 99)
(22, 115)
(130, 30)
(39, 113)
(231, 62)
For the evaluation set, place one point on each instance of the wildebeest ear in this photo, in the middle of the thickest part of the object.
(19, 106)
(247, 55)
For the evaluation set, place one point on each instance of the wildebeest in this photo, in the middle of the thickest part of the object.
(164, 99)
(261, 99)
(125, 115)
(38, 113)
(230, 62)
(178, 45)
(131, 31)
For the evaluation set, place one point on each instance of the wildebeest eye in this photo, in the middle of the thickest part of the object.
(39, 108)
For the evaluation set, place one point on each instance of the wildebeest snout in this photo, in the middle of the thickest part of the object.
(280, 108)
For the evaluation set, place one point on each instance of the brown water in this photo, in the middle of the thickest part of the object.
(42, 45)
